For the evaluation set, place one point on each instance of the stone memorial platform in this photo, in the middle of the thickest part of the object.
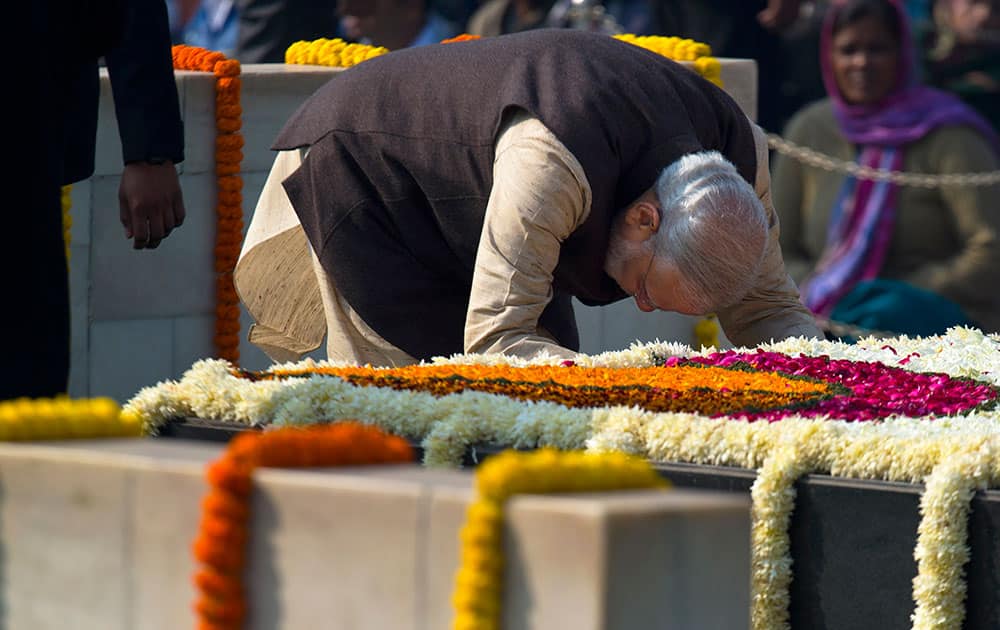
(97, 534)
(143, 317)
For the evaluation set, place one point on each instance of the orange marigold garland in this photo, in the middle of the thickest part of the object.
(229, 208)
(464, 37)
(220, 546)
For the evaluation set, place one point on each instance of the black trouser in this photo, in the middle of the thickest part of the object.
(34, 306)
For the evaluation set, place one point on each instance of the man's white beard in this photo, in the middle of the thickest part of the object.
(620, 252)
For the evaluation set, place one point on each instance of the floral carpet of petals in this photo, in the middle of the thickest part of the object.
(929, 405)
(702, 389)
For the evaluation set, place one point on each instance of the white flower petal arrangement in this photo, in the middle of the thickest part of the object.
(951, 454)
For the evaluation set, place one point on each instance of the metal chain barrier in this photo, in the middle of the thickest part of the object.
(814, 158)
(820, 160)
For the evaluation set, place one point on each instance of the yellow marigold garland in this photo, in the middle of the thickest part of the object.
(680, 49)
(335, 53)
(229, 209)
(478, 593)
(62, 418)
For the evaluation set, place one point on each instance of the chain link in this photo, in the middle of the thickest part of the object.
(814, 158)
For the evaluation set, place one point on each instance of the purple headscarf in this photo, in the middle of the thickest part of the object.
(863, 219)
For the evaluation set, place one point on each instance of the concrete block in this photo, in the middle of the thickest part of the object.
(165, 517)
(271, 94)
(127, 355)
(198, 112)
(448, 505)
(80, 212)
(79, 304)
(333, 550)
(739, 78)
(624, 323)
(99, 532)
(590, 324)
(634, 559)
(253, 183)
(64, 553)
(177, 278)
(108, 159)
(193, 340)
(138, 501)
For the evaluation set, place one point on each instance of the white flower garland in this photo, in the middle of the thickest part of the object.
(952, 456)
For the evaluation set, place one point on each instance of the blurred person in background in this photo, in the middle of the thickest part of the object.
(747, 29)
(499, 17)
(214, 26)
(394, 24)
(962, 53)
(873, 254)
(457, 11)
(268, 27)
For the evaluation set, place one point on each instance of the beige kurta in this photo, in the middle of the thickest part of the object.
(540, 196)
(945, 239)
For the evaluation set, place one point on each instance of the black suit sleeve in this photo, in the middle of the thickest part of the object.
(142, 81)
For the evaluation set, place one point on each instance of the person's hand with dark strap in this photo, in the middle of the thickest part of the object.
(150, 201)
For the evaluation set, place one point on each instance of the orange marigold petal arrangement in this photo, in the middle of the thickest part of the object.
(229, 204)
(705, 389)
(220, 546)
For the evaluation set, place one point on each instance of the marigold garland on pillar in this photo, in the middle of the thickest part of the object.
(62, 418)
(335, 53)
(229, 209)
(478, 593)
(220, 546)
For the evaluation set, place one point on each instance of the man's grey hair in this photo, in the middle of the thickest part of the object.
(713, 229)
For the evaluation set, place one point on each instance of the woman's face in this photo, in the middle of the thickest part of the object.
(865, 59)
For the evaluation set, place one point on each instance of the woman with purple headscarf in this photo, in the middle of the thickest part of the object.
(871, 253)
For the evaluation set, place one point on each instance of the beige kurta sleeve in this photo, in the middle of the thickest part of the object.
(771, 310)
(540, 196)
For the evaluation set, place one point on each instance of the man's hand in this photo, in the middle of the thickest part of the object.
(779, 14)
(150, 203)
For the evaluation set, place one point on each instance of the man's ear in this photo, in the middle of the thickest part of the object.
(643, 215)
